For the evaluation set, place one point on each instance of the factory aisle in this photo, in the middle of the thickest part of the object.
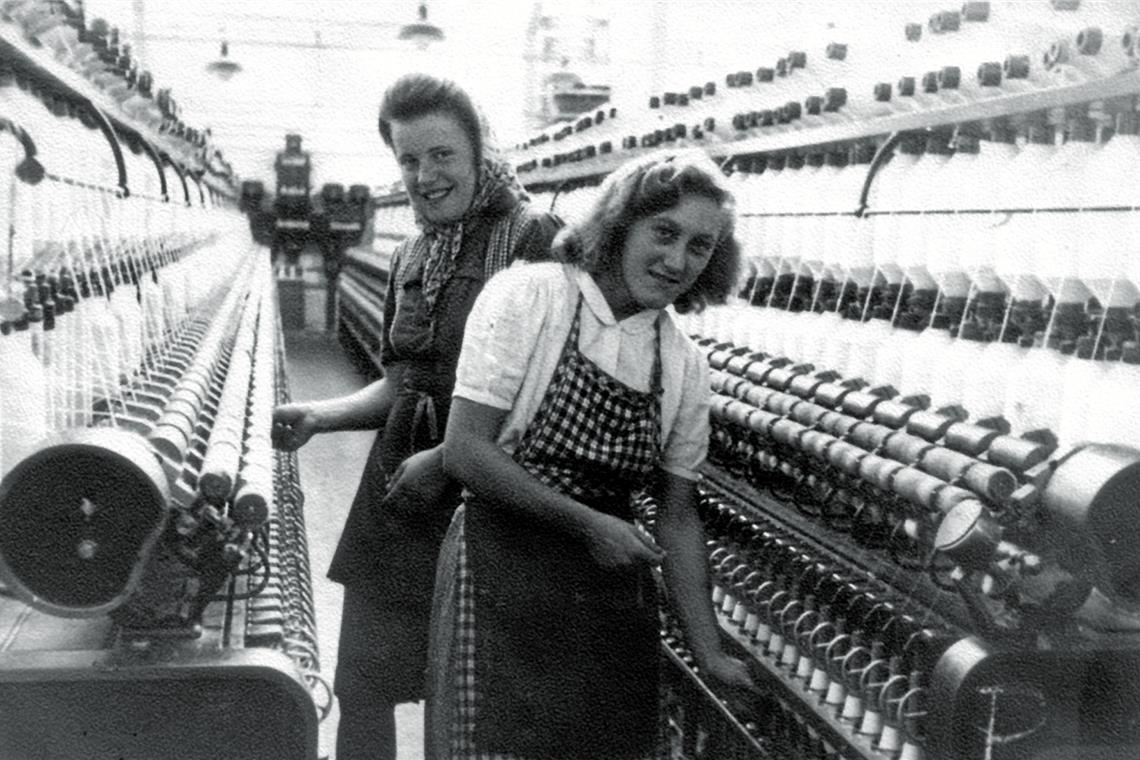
(317, 367)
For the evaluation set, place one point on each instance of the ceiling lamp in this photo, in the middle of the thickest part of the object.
(421, 32)
(224, 68)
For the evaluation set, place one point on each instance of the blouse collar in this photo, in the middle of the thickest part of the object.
(596, 301)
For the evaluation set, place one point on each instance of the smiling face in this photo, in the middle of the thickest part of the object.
(437, 163)
(663, 256)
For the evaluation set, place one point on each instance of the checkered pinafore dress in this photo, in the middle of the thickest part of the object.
(592, 438)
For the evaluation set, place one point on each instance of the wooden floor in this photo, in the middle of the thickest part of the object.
(317, 367)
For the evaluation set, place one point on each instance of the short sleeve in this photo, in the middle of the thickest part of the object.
(502, 333)
(687, 443)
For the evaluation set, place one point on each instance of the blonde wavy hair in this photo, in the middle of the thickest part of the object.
(641, 188)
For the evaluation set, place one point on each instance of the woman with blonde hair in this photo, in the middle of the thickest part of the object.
(575, 391)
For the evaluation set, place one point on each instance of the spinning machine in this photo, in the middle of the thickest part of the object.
(922, 494)
(154, 584)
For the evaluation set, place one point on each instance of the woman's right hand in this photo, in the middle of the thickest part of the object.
(420, 482)
(615, 543)
(293, 426)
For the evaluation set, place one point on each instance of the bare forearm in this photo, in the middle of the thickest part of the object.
(366, 409)
(686, 571)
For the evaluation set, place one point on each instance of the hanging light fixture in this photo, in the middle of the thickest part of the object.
(224, 67)
(421, 32)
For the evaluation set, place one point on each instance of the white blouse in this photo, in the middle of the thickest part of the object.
(514, 338)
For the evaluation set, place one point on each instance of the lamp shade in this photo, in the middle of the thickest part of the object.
(223, 67)
(422, 32)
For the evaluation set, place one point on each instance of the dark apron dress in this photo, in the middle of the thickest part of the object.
(561, 660)
(387, 552)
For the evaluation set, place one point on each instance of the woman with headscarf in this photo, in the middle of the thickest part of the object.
(576, 391)
(474, 220)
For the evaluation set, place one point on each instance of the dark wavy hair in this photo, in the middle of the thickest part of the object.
(641, 188)
(415, 95)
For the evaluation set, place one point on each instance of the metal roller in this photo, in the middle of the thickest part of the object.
(79, 519)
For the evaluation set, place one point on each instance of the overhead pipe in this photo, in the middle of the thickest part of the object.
(181, 176)
(197, 177)
(154, 157)
(885, 151)
(108, 131)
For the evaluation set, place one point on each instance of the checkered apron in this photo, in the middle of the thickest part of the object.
(592, 438)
